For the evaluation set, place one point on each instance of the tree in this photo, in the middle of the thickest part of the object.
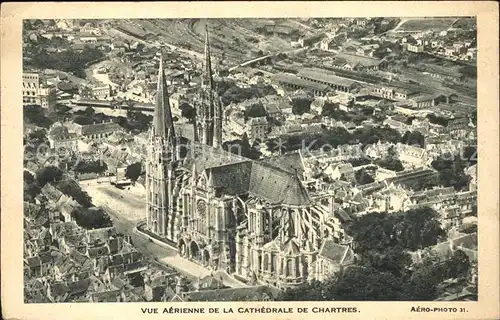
(362, 177)
(61, 108)
(95, 166)
(91, 218)
(34, 114)
(329, 109)
(30, 186)
(83, 120)
(37, 136)
(89, 112)
(72, 189)
(255, 111)
(390, 164)
(309, 291)
(187, 111)
(422, 285)
(458, 266)
(133, 171)
(451, 170)
(48, 174)
(365, 284)
(413, 138)
(372, 231)
(418, 228)
(301, 105)
(437, 120)
(68, 60)
(394, 259)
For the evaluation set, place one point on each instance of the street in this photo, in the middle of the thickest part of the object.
(126, 209)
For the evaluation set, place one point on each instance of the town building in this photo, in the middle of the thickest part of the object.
(102, 93)
(257, 128)
(61, 139)
(293, 82)
(97, 130)
(327, 78)
(327, 44)
(356, 62)
(36, 92)
(416, 48)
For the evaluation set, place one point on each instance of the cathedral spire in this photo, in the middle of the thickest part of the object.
(208, 81)
(163, 125)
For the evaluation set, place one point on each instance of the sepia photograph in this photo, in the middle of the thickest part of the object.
(288, 165)
(250, 159)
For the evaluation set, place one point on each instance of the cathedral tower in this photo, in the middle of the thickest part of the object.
(209, 108)
(160, 165)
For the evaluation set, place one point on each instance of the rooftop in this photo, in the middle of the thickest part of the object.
(325, 76)
(296, 81)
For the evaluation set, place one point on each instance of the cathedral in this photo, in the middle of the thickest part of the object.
(254, 219)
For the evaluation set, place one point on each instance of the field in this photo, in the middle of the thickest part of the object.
(465, 23)
(435, 24)
(231, 39)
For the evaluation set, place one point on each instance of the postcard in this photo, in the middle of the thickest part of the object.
(284, 160)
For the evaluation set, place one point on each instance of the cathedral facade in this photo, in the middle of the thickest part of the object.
(253, 219)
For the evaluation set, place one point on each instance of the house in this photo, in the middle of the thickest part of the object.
(108, 296)
(416, 48)
(444, 251)
(124, 263)
(411, 155)
(366, 50)
(102, 93)
(40, 265)
(471, 54)
(98, 130)
(51, 193)
(61, 139)
(327, 44)
(341, 172)
(176, 99)
(310, 40)
(459, 47)
(155, 289)
(414, 178)
(424, 100)
(209, 282)
(64, 291)
(256, 128)
(391, 199)
(355, 62)
(332, 257)
(255, 293)
(119, 46)
(87, 37)
(393, 92)
(394, 124)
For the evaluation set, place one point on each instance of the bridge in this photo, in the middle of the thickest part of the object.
(114, 105)
(253, 62)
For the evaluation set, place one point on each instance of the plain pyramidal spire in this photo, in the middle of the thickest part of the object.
(208, 63)
(162, 123)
